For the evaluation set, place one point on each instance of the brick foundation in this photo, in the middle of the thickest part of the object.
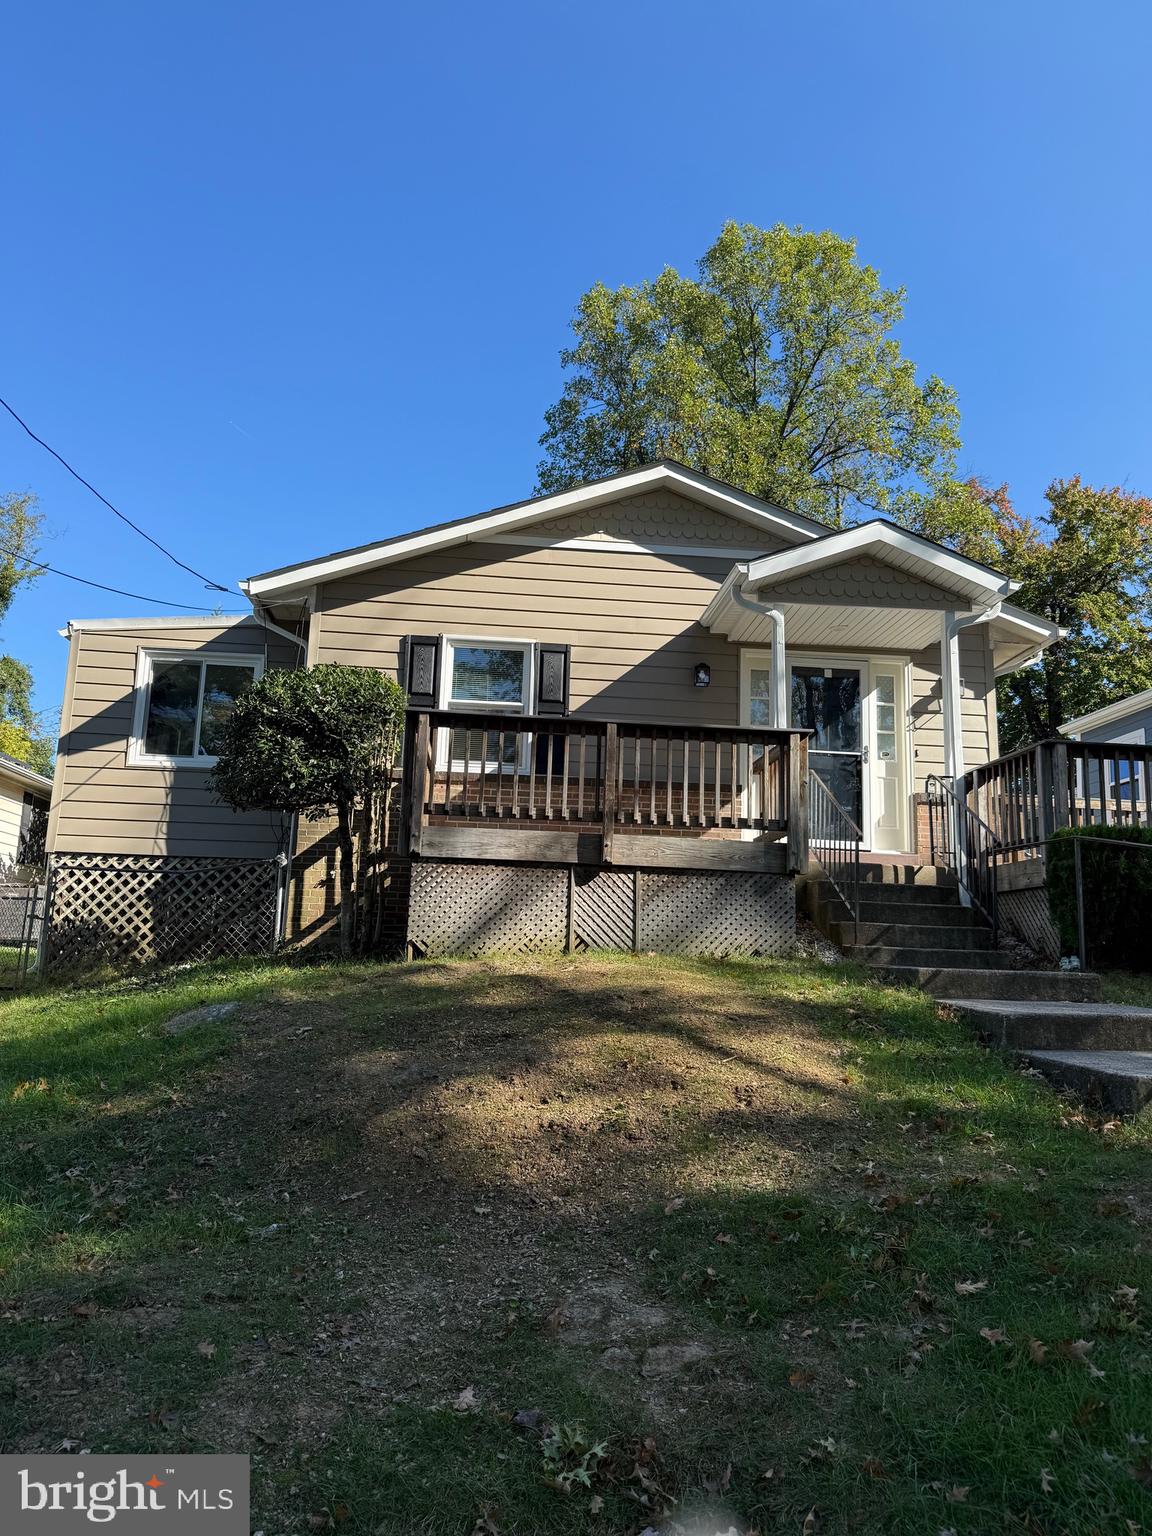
(314, 890)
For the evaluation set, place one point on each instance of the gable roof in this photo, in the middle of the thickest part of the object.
(522, 514)
(1109, 714)
(921, 558)
(11, 768)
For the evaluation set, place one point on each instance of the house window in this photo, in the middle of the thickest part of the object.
(486, 676)
(183, 702)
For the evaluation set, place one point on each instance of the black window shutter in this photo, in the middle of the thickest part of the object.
(422, 672)
(552, 668)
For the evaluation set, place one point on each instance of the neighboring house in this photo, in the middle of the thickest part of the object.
(628, 676)
(1127, 720)
(24, 799)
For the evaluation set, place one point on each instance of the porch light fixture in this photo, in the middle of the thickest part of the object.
(702, 675)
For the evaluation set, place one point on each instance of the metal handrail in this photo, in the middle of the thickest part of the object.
(966, 843)
(835, 841)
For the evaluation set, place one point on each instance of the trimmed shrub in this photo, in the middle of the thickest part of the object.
(1117, 895)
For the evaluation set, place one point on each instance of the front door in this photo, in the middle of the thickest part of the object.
(829, 701)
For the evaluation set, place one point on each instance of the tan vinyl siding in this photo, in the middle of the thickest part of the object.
(632, 620)
(926, 718)
(103, 804)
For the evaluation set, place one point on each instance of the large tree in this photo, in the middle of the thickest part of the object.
(22, 731)
(777, 369)
(1085, 564)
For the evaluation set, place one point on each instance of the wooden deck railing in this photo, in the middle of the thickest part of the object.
(1026, 796)
(611, 778)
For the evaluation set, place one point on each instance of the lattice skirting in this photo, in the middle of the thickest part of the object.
(476, 909)
(135, 909)
(1025, 915)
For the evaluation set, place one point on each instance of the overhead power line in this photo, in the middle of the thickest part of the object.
(163, 602)
(208, 582)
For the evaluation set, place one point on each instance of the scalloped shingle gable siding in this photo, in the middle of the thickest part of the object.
(660, 517)
(865, 580)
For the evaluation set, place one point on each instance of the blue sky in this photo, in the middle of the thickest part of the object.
(282, 278)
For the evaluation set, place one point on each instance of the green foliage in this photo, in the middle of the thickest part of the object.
(309, 741)
(24, 735)
(320, 742)
(1117, 886)
(1086, 566)
(777, 370)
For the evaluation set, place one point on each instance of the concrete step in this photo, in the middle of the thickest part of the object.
(1121, 1080)
(919, 876)
(905, 935)
(940, 914)
(1058, 1026)
(921, 957)
(909, 898)
(956, 982)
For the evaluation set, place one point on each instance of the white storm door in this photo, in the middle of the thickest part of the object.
(887, 752)
(828, 698)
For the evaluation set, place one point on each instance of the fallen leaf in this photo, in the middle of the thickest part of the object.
(1125, 1295)
(205, 1349)
(993, 1335)
(725, 1237)
(873, 1467)
(1142, 1472)
(675, 1204)
(958, 1495)
(811, 1523)
(970, 1287)
(1037, 1352)
(355, 1195)
(595, 1504)
(1075, 1349)
(1046, 1480)
(800, 1378)
(467, 1401)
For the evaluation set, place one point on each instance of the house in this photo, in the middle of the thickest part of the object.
(617, 695)
(1126, 720)
(25, 796)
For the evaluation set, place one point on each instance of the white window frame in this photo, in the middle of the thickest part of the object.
(449, 644)
(146, 661)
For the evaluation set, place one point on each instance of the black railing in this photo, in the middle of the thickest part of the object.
(961, 842)
(835, 842)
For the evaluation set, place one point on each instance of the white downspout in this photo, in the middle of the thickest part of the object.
(778, 698)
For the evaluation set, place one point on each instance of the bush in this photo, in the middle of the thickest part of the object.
(1117, 894)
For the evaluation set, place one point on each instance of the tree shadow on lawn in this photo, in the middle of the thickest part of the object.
(388, 1188)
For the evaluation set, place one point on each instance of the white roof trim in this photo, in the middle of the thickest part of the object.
(1108, 714)
(25, 775)
(877, 538)
(217, 621)
(653, 477)
(206, 621)
(1037, 633)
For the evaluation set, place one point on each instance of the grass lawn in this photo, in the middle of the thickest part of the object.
(595, 1244)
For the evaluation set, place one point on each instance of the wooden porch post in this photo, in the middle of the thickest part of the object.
(797, 804)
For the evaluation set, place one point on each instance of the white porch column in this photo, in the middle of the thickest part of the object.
(953, 720)
(778, 705)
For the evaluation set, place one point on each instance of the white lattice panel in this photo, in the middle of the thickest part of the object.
(716, 914)
(478, 909)
(603, 909)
